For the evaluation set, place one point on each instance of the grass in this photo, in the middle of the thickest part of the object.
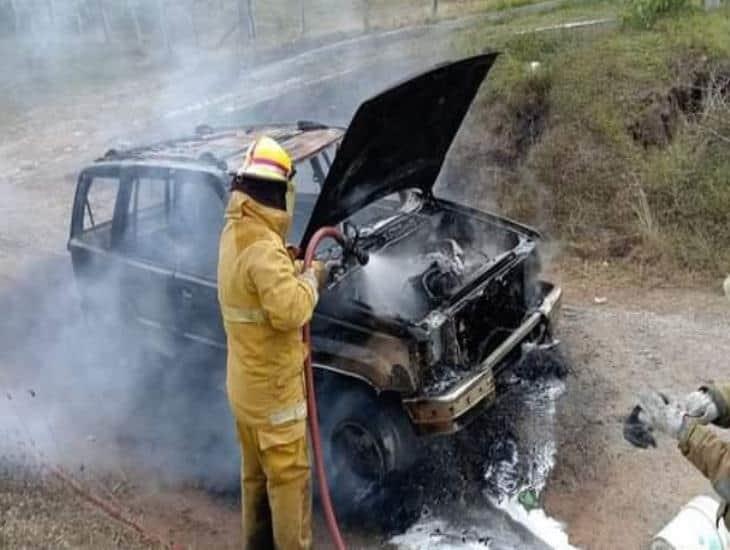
(586, 179)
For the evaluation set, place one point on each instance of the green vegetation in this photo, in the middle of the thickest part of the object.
(644, 13)
(614, 140)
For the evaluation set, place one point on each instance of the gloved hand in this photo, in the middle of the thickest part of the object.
(321, 272)
(700, 406)
(663, 414)
(316, 276)
(309, 277)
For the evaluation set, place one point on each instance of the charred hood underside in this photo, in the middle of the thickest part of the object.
(398, 140)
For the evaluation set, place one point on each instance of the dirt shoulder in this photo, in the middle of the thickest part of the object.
(610, 494)
(38, 511)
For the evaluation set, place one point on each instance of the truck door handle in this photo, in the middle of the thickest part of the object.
(187, 294)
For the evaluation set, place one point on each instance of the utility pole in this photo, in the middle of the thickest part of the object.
(434, 8)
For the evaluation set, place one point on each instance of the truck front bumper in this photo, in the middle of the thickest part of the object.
(449, 411)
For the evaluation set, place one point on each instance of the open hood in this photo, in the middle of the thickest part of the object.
(398, 139)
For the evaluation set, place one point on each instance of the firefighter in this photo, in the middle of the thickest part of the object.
(686, 420)
(265, 302)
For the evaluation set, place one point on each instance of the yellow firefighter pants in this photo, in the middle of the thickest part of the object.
(275, 487)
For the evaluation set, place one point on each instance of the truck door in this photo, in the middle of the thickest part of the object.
(144, 242)
(94, 214)
(196, 219)
(119, 250)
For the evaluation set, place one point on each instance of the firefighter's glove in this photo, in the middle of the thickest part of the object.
(309, 277)
(700, 406)
(321, 271)
(663, 414)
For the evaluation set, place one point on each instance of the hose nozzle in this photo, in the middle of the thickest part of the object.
(351, 248)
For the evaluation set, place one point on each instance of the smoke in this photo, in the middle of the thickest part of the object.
(91, 397)
(80, 395)
(430, 256)
(75, 393)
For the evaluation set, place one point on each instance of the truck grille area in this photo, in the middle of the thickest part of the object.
(483, 324)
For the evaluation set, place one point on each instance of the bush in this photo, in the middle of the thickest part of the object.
(644, 13)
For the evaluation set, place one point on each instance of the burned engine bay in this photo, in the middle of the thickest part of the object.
(424, 259)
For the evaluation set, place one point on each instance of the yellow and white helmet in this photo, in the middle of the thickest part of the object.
(265, 159)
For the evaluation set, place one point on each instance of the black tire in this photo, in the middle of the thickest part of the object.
(365, 440)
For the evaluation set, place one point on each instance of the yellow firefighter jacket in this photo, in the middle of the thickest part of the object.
(264, 304)
(710, 454)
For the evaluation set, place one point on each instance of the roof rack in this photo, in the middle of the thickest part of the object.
(214, 146)
(206, 157)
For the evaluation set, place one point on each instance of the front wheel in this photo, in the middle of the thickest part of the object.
(365, 439)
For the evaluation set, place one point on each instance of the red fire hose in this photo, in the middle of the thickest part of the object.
(324, 492)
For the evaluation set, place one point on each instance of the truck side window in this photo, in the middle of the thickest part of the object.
(196, 221)
(150, 198)
(174, 222)
(146, 235)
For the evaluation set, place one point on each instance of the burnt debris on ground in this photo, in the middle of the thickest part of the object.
(493, 458)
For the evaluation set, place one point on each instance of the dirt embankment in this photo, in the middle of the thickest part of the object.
(613, 141)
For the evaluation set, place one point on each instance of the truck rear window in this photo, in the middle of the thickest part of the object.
(100, 200)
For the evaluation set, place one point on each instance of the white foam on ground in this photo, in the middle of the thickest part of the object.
(537, 451)
(549, 530)
(541, 459)
(437, 534)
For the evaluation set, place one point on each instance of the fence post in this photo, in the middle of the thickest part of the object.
(16, 14)
(246, 23)
(194, 24)
(366, 14)
(251, 8)
(302, 20)
(105, 21)
(135, 21)
(79, 18)
(163, 24)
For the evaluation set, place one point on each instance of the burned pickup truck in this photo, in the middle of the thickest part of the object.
(418, 341)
